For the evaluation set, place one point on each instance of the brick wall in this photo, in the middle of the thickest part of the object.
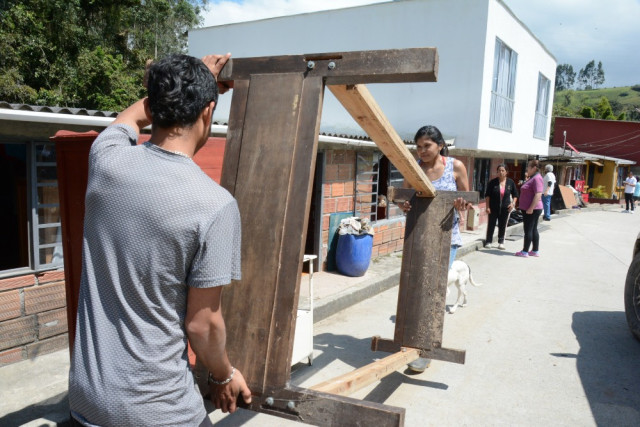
(339, 197)
(33, 316)
(388, 237)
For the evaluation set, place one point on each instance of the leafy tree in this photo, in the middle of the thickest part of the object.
(568, 98)
(565, 77)
(588, 113)
(599, 79)
(103, 82)
(622, 116)
(585, 75)
(590, 77)
(560, 111)
(604, 109)
(87, 53)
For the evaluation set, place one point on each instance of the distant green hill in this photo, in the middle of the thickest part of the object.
(568, 103)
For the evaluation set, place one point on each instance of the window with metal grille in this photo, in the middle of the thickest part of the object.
(542, 108)
(367, 164)
(504, 86)
(374, 174)
(47, 230)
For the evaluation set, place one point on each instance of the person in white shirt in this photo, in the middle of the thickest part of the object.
(549, 184)
(629, 188)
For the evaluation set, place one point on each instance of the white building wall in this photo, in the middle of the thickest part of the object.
(532, 60)
(457, 103)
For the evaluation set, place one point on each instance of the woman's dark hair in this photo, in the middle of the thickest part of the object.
(179, 88)
(434, 134)
(535, 163)
(501, 165)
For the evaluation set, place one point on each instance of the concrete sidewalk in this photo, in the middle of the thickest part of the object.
(34, 392)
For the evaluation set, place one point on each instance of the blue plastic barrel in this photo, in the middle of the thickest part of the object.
(354, 254)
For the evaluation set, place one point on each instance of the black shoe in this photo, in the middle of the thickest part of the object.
(547, 219)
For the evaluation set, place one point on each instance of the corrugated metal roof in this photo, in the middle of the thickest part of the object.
(58, 110)
(83, 112)
(558, 153)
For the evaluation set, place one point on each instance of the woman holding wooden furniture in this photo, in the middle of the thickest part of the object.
(446, 174)
(501, 196)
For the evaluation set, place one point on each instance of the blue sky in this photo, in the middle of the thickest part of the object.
(574, 31)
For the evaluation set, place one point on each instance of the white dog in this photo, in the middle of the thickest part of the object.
(460, 275)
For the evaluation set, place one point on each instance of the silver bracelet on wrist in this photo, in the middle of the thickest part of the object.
(227, 381)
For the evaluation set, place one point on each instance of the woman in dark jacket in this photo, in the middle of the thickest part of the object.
(501, 196)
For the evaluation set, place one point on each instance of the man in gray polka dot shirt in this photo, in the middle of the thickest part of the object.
(160, 240)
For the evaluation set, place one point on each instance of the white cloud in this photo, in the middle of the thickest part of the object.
(578, 31)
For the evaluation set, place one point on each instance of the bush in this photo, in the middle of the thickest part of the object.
(598, 192)
(587, 113)
(636, 88)
(624, 94)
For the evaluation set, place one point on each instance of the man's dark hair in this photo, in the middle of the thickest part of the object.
(179, 88)
(434, 134)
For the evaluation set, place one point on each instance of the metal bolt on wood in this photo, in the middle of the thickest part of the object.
(269, 401)
(332, 65)
(311, 65)
(291, 405)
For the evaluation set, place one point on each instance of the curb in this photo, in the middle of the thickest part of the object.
(343, 300)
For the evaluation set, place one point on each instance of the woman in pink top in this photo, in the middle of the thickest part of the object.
(531, 207)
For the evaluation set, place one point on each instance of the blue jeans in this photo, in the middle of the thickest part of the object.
(546, 204)
(452, 254)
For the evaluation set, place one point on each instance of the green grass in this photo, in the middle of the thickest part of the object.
(622, 99)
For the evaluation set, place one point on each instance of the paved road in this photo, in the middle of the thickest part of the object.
(546, 339)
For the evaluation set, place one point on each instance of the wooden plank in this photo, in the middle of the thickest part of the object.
(444, 354)
(400, 195)
(422, 294)
(272, 179)
(568, 197)
(359, 102)
(324, 409)
(234, 135)
(294, 222)
(347, 384)
(374, 66)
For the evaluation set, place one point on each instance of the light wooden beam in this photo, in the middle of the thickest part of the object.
(353, 381)
(359, 102)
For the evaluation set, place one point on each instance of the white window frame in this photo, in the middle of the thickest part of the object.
(542, 108)
(36, 188)
(55, 225)
(503, 88)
